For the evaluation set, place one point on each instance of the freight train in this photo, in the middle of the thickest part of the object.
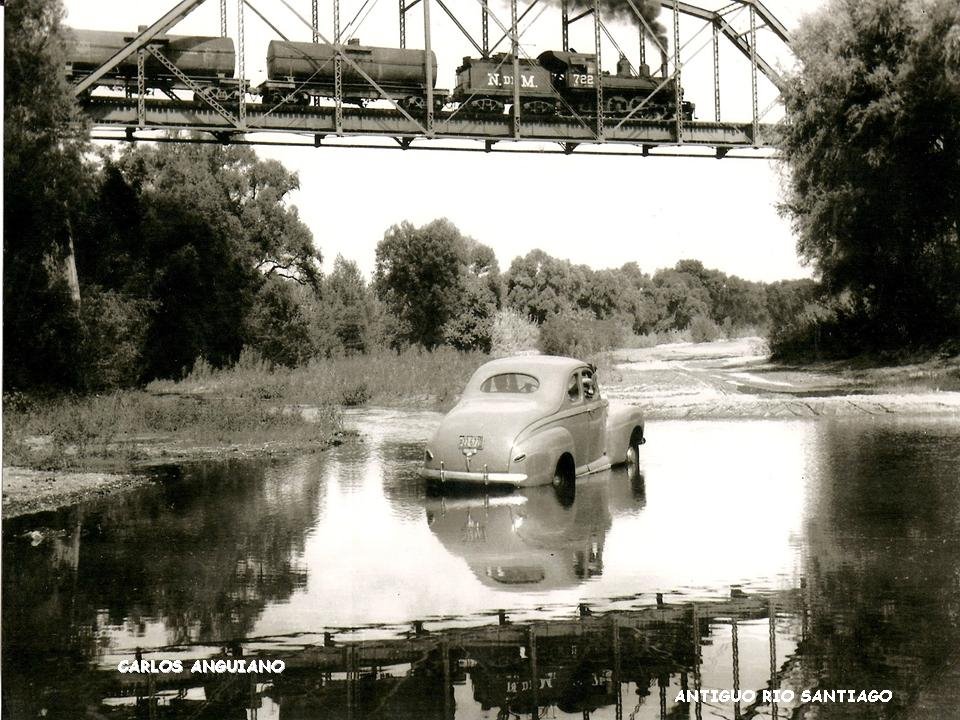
(557, 84)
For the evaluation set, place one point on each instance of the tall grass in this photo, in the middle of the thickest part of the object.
(414, 376)
(78, 431)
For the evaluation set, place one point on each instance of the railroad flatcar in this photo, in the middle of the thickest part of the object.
(208, 61)
(298, 71)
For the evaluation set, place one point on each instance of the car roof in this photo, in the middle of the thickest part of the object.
(533, 364)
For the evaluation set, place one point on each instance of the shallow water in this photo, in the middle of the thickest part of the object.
(786, 554)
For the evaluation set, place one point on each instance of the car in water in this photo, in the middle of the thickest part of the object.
(533, 420)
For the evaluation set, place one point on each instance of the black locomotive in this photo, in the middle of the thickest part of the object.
(557, 84)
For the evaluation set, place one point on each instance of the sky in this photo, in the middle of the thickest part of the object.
(601, 211)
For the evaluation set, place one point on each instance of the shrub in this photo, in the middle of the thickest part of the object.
(703, 329)
(832, 327)
(579, 334)
(513, 334)
(355, 394)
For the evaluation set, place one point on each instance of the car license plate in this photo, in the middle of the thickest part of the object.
(471, 442)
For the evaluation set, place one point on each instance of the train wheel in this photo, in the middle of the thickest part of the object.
(617, 105)
(638, 102)
(538, 107)
(486, 105)
(412, 104)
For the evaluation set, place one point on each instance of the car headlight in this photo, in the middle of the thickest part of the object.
(427, 456)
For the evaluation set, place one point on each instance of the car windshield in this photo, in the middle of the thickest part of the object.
(510, 383)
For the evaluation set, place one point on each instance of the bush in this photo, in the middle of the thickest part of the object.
(703, 329)
(828, 328)
(579, 334)
(513, 334)
(355, 394)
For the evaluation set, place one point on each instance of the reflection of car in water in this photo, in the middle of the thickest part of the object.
(528, 540)
(533, 420)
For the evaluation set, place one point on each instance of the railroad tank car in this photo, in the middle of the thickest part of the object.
(485, 85)
(204, 59)
(575, 76)
(297, 71)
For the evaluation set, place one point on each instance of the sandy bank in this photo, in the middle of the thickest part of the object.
(28, 491)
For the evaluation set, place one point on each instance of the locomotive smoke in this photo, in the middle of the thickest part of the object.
(621, 9)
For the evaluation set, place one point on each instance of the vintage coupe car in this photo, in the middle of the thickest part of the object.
(533, 420)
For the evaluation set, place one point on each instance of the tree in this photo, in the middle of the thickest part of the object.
(279, 325)
(432, 275)
(345, 294)
(197, 230)
(680, 297)
(872, 143)
(44, 187)
(539, 285)
(471, 327)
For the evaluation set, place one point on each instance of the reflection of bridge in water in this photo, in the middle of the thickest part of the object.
(619, 661)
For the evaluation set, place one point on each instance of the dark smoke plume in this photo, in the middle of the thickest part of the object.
(620, 9)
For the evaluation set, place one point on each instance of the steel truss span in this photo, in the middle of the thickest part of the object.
(225, 109)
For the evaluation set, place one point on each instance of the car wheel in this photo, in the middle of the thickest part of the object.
(564, 481)
(633, 454)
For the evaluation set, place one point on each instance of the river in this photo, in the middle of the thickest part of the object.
(778, 555)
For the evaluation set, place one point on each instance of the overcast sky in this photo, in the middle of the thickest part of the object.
(602, 211)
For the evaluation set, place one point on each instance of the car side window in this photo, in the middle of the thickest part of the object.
(590, 389)
(573, 388)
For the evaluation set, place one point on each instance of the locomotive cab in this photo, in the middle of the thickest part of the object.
(571, 71)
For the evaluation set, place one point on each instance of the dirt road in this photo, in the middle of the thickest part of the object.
(735, 378)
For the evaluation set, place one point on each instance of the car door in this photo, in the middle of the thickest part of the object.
(575, 417)
(596, 407)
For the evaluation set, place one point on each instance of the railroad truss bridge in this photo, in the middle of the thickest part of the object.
(243, 117)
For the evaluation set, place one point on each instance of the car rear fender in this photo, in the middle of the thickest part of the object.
(541, 450)
(621, 422)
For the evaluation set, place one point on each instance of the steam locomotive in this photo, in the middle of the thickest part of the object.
(557, 84)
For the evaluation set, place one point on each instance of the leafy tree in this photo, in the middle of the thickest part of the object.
(679, 297)
(637, 299)
(872, 141)
(197, 230)
(345, 294)
(279, 325)
(539, 285)
(432, 275)
(733, 301)
(44, 187)
(471, 327)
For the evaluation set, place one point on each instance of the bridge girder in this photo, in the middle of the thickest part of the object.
(130, 115)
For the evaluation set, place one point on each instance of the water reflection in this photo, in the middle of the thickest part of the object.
(840, 541)
(537, 539)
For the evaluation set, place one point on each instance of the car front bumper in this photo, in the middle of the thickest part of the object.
(480, 478)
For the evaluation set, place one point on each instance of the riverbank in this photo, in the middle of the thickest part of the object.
(60, 452)
(736, 379)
